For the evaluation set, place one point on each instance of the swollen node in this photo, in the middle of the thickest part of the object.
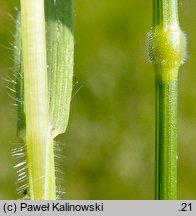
(166, 47)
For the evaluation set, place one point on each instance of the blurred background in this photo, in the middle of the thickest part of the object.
(108, 149)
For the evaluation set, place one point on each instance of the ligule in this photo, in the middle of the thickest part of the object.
(60, 46)
(36, 168)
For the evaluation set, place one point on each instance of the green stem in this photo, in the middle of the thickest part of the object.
(167, 45)
(39, 146)
(165, 13)
(166, 134)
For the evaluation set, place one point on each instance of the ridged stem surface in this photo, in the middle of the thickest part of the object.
(166, 134)
(165, 13)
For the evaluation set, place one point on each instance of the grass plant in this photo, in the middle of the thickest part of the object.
(44, 69)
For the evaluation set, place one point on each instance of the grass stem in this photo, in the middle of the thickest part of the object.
(39, 150)
(44, 53)
(167, 46)
(166, 134)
